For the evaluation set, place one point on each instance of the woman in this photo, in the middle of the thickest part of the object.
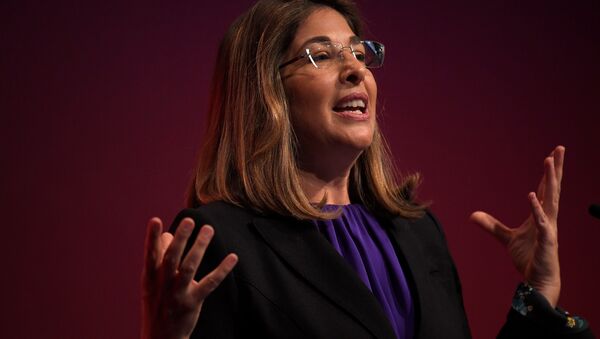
(295, 181)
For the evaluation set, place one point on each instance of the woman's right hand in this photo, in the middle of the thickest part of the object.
(171, 298)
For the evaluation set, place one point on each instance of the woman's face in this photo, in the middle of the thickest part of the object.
(325, 103)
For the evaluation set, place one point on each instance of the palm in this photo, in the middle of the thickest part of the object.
(520, 249)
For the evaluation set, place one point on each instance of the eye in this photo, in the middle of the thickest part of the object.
(360, 56)
(320, 56)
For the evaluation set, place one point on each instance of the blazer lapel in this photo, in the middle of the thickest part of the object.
(415, 265)
(301, 245)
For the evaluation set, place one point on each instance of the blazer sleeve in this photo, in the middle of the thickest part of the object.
(237, 308)
(546, 326)
(518, 326)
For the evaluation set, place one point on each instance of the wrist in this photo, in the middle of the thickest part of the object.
(550, 290)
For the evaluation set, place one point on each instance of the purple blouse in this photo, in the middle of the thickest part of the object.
(359, 238)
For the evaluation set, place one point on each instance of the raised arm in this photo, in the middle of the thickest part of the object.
(533, 248)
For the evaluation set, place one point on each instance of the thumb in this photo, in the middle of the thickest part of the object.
(492, 226)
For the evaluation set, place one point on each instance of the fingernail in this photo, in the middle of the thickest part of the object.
(231, 261)
(187, 227)
(206, 231)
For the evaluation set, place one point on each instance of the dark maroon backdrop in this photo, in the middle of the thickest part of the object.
(102, 110)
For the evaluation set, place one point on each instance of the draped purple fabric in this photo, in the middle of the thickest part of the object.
(361, 240)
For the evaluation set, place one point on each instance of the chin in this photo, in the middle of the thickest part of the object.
(362, 143)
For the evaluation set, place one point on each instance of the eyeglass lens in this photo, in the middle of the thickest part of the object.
(323, 54)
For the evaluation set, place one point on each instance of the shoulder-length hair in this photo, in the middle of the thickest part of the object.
(248, 157)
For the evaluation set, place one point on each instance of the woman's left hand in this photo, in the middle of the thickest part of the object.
(533, 246)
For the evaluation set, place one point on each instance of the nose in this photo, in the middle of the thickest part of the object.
(353, 71)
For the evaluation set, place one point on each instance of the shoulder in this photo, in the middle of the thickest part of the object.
(427, 225)
(216, 214)
(425, 235)
(235, 227)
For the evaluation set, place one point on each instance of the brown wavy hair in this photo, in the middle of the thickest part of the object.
(248, 157)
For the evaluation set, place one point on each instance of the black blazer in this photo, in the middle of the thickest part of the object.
(291, 283)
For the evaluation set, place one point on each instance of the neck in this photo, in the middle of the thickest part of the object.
(334, 189)
(329, 179)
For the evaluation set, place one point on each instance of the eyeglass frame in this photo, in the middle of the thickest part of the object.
(366, 43)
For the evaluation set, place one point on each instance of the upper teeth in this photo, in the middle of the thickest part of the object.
(354, 103)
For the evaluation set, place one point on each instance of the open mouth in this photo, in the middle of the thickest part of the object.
(356, 106)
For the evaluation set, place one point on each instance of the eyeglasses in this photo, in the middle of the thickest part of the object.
(323, 54)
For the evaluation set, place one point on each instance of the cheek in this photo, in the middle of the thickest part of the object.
(371, 85)
(308, 98)
(298, 96)
(301, 114)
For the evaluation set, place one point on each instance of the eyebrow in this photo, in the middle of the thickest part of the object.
(319, 38)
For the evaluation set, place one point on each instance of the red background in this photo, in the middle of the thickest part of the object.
(103, 106)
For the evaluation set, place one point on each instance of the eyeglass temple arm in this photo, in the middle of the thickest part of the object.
(291, 61)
